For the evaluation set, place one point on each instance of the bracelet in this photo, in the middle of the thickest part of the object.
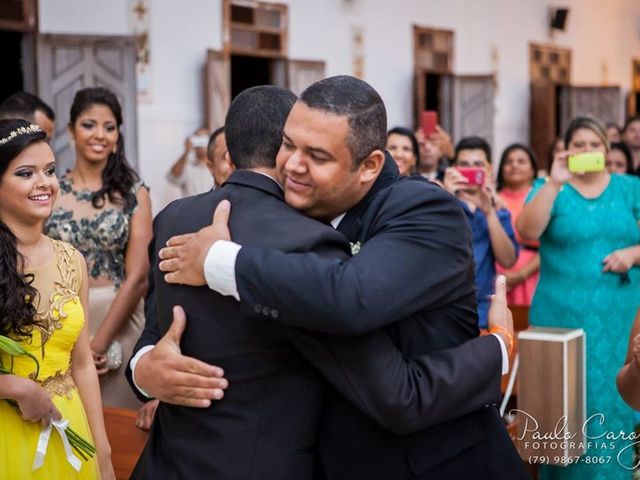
(509, 335)
(557, 186)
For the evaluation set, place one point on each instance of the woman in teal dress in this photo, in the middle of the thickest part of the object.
(590, 279)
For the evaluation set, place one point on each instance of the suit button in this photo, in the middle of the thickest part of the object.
(257, 308)
(265, 311)
(274, 313)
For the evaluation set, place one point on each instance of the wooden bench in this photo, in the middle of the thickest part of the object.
(126, 440)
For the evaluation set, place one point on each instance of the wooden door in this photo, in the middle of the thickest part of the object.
(68, 63)
(419, 94)
(634, 95)
(542, 120)
(217, 90)
(473, 106)
(602, 103)
(303, 73)
(440, 99)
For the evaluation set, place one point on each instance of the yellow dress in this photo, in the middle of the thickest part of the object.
(61, 312)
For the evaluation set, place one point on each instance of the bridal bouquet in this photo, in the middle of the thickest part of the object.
(13, 348)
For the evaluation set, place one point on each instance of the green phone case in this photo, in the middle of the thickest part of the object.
(586, 162)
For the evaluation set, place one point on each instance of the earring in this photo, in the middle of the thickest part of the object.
(114, 150)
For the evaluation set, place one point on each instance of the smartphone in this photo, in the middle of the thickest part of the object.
(428, 122)
(586, 162)
(199, 141)
(475, 175)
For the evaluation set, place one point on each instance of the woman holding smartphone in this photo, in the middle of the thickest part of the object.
(587, 224)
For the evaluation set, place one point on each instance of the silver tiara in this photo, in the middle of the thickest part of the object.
(20, 131)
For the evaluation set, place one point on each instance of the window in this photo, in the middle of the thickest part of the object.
(433, 49)
(256, 28)
(549, 64)
(18, 15)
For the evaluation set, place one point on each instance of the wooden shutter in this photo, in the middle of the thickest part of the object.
(542, 120)
(68, 63)
(303, 73)
(603, 103)
(217, 88)
(473, 106)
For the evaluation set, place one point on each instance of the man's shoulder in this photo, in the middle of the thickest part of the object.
(412, 193)
(200, 203)
(301, 228)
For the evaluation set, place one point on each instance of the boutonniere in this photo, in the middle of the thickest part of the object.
(355, 247)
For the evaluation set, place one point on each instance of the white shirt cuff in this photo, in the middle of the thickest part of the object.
(220, 268)
(505, 355)
(134, 361)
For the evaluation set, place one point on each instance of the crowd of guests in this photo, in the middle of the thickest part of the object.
(567, 243)
(569, 246)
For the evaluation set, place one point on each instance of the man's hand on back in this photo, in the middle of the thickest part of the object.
(169, 376)
(183, 257)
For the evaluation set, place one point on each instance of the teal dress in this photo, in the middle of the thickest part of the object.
(573, 292)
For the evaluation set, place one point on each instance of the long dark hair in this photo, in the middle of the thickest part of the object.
(505, 154)
(118, 178)
(17, 295)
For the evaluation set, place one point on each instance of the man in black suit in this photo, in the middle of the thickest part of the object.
(334, 137)
(269, 419)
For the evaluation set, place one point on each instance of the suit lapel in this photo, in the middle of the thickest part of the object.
(351, 224)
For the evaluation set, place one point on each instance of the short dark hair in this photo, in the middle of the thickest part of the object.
(515, 146)
(473, 143)
(360, 103)
(629, 121)
(213, 136)
(254, 123)
(24, 105)
(627, 154)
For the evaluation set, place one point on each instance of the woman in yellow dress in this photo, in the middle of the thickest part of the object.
(43, 297)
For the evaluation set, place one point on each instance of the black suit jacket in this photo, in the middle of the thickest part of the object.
(414, 275)
(407, 397)
(266, 425)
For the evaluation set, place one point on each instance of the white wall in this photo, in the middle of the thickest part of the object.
(85, 17)
(597, 32)
(181, 32)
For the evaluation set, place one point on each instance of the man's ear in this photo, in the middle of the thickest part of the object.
(228, 162)
(371, 166)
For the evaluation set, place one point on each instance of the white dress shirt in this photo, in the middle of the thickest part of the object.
(220, 274)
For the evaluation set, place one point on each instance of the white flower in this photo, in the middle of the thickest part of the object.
(355, 247)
